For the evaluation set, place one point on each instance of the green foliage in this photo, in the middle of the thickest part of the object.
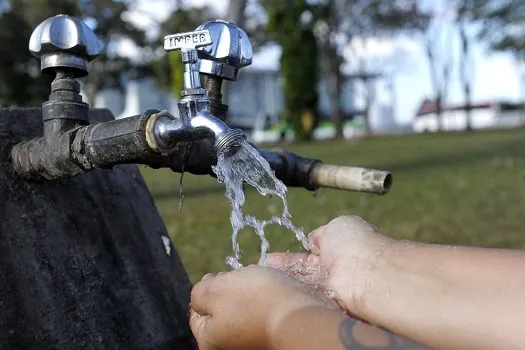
(503, 26)
(109, 68)
(177, 72)
(299, 62)
(21, 82)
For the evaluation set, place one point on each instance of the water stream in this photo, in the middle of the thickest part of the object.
(248, 166)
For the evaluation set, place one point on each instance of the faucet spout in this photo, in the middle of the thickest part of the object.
(169, 131)
(226, 140)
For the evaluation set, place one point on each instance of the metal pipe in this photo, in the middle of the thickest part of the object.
(213, 87)
(191, 75)
(169, 131)
(296, 171)
(122, 141)
(351, 178)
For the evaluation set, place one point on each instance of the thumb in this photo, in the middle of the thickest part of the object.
(314, 239)
(197, 325)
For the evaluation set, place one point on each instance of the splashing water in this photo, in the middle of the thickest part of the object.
(247, 165)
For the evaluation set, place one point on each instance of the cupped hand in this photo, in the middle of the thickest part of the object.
(242, 309)
(341, 262)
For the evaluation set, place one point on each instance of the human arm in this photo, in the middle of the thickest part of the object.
(442, 296)
(450, 297)
(314, 328)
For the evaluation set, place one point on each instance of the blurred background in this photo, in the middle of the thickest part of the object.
(432, 90)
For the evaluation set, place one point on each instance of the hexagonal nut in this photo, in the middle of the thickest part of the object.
(64, 42)
(192, 91)
(231, 45)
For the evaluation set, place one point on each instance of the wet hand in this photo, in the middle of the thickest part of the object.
(342, 259)
(243, 308)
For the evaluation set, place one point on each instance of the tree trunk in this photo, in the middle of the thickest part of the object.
(468, 107)
(85, 262)
(439, 112)
(369, 100)
(236, 11)
(368, 128)
(435, 82)
(465, 79)
(335, 98)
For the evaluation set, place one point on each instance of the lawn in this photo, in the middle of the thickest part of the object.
(448, 188)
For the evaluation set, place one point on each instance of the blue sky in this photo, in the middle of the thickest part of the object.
(497, 75)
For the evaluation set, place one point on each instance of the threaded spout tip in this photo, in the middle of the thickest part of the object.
(230, 143)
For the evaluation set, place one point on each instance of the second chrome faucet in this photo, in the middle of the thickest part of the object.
(223, 59)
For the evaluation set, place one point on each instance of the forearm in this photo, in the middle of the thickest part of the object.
(449, 297)
(320, 328)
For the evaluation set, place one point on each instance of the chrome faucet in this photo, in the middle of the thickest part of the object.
(71, 145)
(230, 51)
(195, 120)
(216, 50)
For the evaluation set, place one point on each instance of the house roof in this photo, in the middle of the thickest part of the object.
(429, 107)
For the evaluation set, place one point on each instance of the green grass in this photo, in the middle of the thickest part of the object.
(448, 188)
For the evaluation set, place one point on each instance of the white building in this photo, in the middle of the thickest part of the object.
(483, 116)
(257, 92)
(256, 101)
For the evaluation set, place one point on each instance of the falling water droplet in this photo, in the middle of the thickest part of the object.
(248, 166)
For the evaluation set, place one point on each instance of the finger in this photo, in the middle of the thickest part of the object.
(197, 324)
(314, 239)
(199, 328)
(304, 267)
(331, 294)
(208, 276)
(202, 296)
(209, 332)
(205, 294)
(286, 260)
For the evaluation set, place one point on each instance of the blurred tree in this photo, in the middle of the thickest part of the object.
(430, 24)
(502, 25)
(20, 79)
(343, 24)
(21, 83)
(110, 25)
(235, 14)
(331, 17)
(236, 10)
(290, 24)
(467, 12)
(438, 42)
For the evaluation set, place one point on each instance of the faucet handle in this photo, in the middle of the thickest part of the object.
(231, 50)
(64, 42)
(188, 43)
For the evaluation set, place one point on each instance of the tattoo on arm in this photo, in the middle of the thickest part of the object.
(356, 335)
